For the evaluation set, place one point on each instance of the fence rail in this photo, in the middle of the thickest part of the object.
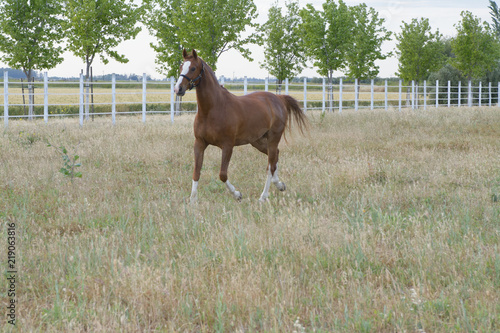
(49, 99)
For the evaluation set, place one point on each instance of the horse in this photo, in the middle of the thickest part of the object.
(225, 120)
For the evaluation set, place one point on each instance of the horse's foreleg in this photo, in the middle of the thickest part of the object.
(227, 151)
(199, 150)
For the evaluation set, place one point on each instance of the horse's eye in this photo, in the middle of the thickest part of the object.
(193, 69)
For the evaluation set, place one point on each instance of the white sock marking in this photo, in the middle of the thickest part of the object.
(232, 189)
(265, 193)
(194, 192)
(275, 180)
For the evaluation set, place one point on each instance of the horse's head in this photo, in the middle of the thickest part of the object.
(191, 73)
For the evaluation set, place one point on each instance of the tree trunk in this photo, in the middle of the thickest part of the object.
(278, 87)
(31, 96)
(178, 105)
(330, 91)
(358, 89)
(87, 92)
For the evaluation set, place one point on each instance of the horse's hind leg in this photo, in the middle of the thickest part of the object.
(227, 151)
(272, 172)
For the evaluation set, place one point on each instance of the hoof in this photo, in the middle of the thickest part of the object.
(263, 200)
(238, 196)
(280, 186)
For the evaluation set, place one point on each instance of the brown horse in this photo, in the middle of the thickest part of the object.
(225, 120)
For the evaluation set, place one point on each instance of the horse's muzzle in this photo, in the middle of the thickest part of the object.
(180, 91)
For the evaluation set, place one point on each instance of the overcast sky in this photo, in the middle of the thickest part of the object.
(442, 15)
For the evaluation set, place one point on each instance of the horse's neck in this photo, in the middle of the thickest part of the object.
(208, 92)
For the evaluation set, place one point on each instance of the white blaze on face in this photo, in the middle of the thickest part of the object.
(185, 70)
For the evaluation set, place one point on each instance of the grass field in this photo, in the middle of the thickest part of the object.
(390, 222)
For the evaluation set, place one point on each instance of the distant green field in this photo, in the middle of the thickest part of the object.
(390, 223)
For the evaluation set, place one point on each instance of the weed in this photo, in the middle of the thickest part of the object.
(70, 162)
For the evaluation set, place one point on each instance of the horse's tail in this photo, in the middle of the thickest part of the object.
(295, 112)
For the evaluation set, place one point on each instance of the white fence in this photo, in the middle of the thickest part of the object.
(61, 99)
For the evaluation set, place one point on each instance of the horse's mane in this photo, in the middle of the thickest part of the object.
(210, 70)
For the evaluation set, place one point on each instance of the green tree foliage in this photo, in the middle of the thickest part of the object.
(495, 16)
(221, 26)
(475, 47)
(164, 19)
(284, 54)
(96, 27)
(212, 27)
(30, 36)
(327, 35)
(419, 51)
(443, 75)
(366, 43)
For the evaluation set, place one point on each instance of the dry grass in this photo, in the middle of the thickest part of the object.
(390, 223)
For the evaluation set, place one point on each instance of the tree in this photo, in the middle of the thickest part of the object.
(284, 54)
(475, 47)
(212, 27)
(29, 37)
(96, 27)
(495, 16)
(327, 37)
(164, 19)
(444, 74)
(366, 43)
(419, 51)
(221, 27)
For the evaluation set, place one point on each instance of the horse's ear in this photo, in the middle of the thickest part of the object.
(184, 53)
(195, 55)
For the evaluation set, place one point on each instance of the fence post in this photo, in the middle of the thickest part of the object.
(480, 93)
(498, 94)
(386, 100)
(245, 86)
(80, 112)
(371, 94)
(267, 84)
(356, 94)
(459, 93)
(323, 110)
(113, 98)
(469, 95)
(144, 90)
(437, 93)
(305, 95)
(425, 95)
(340, 96)
(416, 95)
(45, 97)
(449, 93)
(489, 93)
(412, 94)
(172, 99)
(6, 99)
(399, 102)
(286, 86)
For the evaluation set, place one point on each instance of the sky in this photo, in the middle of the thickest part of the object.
(442, 15)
